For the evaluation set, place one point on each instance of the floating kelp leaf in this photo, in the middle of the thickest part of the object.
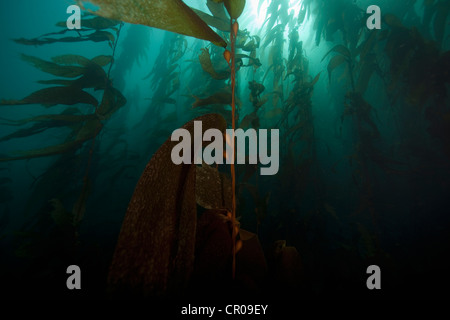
(155, 251)
(273, 113)
(71, 59)
(272, 34)
(234, 7)
(170, 15)
(339, 49)
(58, 82)
(100, 36)
(112, 101)
(223, 110)
(54, 68)
(90, 130)
(39, 41)
(392, 21)
(252, 61)
(302, 14)
(102, 60)
(99, 23)
(205, 61)
(365, 74)
(335, 62)
(49, 97)
(97, 36)
(93, 77)
(367, 46)
(249, 120)
(221, 97)
(218, 10)
(315, 80)
(222, 25)
(95, 22)
(45, 122)
(30, 42)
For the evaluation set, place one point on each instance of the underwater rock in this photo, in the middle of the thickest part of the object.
(212, 251)
(286, 267)
(251, 266)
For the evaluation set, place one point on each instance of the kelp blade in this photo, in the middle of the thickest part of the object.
(170, 15)
(155, 251)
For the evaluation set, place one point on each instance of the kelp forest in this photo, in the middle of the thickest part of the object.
(87, 178)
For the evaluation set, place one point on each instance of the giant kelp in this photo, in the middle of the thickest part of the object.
(344, 157)
(173, 15)
(161, 216)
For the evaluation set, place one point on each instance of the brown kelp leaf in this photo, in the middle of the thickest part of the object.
(102, 60)
(58, 82)
(365, 74)
(69, 112)
(316, 78)
(112, 101)
(54, 68)
(335, 62)
(221, 97)
(46, 122)
(392, 21)
(170, 15)
(90, 129)
(40, 42)
(339, 49)
(71, 59)
(234, 7)
(155, 251)
(93, 22)
(49, 97)
(218, 10)
(98, 23)
(367, 46)
(212, 21)
(272, 34)
(273, 113)
(53, 120)
(248, 120)
(205, 61)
